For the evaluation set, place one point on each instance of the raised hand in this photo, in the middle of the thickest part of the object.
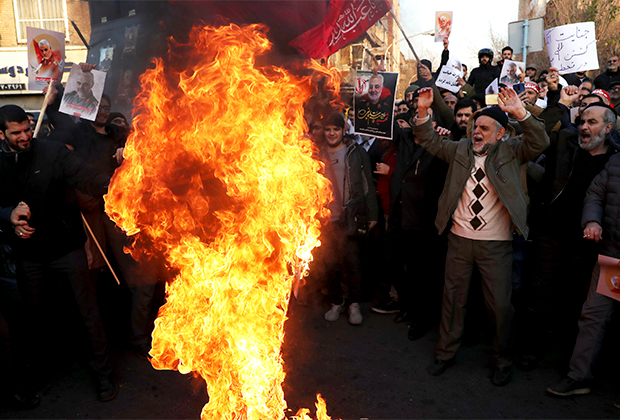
(568, 95)
(87, 67)
(509, 102)
(553, 78)
(424, 72)
(425, 100)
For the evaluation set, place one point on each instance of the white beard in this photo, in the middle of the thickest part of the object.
(595, 141)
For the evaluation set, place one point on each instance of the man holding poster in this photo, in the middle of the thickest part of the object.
(46, 57)
(374, 104)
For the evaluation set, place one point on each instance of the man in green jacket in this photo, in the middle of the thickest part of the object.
(484, 200)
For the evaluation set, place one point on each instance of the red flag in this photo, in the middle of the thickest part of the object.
(346, 21)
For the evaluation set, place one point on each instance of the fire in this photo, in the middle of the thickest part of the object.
(219, 179)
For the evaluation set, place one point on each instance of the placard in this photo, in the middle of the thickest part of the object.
(83, 93)
(572, 48)
(46, 57)
(609, 278)
(449, 75)
(374, 103)
(443, 25)
(511, 71)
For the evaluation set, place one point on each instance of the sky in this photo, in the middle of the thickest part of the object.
(470, 27)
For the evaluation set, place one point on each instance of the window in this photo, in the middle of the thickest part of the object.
(46, 14)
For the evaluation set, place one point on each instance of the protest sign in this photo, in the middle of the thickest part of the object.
(572, 47)
(83, 93)
(510, 72)
(374, 103)
(46, 57)
(449, 75)
(443, 25)
(609, 278)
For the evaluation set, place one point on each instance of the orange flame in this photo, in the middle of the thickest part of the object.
(219, 178)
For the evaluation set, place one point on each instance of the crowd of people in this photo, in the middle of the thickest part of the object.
(519, 197)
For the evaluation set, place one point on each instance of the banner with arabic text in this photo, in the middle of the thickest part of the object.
(346, 21)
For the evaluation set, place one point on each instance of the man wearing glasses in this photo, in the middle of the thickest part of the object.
(604, 80)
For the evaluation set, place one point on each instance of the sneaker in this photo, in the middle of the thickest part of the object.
(439, 366)
(334, 312)
(355, 315)
(391, 307)
(106, 388)
(569, 386)
(501, 375)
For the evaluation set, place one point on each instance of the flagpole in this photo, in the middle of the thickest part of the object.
(405, 35)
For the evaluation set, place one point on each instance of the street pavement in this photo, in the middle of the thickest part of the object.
(369, 371)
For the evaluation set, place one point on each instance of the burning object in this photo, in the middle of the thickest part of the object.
(219, 179)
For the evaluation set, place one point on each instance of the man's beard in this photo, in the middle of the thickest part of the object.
(595, 141)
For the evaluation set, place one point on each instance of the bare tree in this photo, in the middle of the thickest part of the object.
(603, 13)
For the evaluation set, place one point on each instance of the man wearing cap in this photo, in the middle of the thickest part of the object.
(483, 200)
(611, 74)
(561, 260)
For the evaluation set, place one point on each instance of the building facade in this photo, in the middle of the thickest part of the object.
(55, 15)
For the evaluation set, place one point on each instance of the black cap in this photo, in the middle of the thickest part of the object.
(496, 113)
(612, 84)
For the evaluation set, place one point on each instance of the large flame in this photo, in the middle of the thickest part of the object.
(219, 178)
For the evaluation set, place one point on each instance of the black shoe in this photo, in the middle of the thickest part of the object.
(106, 388)
(25, 400)
(569, 386)
(501, 375)
(527, 362)
(439, 366)
(141, 350)
(391, 307)
(403, 316)
(417, 331)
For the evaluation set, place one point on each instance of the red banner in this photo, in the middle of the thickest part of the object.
(346, 21)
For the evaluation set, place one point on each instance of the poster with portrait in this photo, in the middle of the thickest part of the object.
(511, 70)
(374, 103)
(83, 93)
(609, 278)
(106, 56)
(46, 57)
(443, 25)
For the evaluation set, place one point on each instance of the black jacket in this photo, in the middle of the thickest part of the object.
(605, 79)
(602, 205)
(40, 177)
(415, 186)
(481, 77)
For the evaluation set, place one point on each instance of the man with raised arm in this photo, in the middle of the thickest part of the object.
(483, 200)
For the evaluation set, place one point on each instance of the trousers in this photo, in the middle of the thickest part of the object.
(73, 268)
(494, 261)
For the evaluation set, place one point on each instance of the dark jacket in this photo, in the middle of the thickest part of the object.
(573, 79)
(502, 166)
(602, 205)
(605, 79)
(481, 77)
(362, 191)
(415, 186)
(40, 177)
